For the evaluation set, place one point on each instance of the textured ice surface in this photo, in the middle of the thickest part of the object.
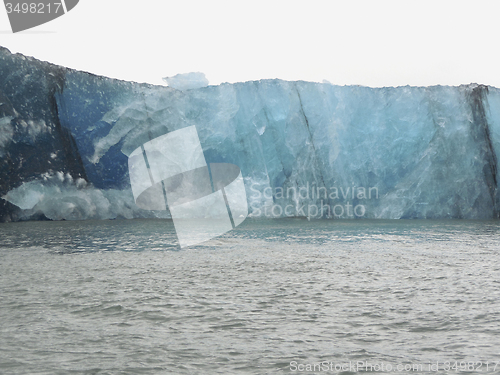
(187, 81)
(304, 149)
(58, 197)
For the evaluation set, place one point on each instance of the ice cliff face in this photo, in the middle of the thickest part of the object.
(304, 149)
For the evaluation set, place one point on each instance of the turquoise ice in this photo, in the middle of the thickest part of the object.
(395, 152)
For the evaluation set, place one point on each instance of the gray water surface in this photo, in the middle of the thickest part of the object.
(270, 297)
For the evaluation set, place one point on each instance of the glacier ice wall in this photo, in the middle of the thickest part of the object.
(304, 149)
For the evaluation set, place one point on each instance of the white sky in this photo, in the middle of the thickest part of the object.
(372, 43)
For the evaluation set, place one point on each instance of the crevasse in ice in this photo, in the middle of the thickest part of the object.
(304, 149)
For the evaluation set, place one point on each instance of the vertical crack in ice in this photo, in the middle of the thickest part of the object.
(145, 156)
(477, 98)
(268, 122)
(147, 121)
(73, 158)
(318, 167)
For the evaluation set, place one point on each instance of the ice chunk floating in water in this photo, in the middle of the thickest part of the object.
(304, 149)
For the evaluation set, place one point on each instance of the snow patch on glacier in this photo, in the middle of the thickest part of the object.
(187, 81)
